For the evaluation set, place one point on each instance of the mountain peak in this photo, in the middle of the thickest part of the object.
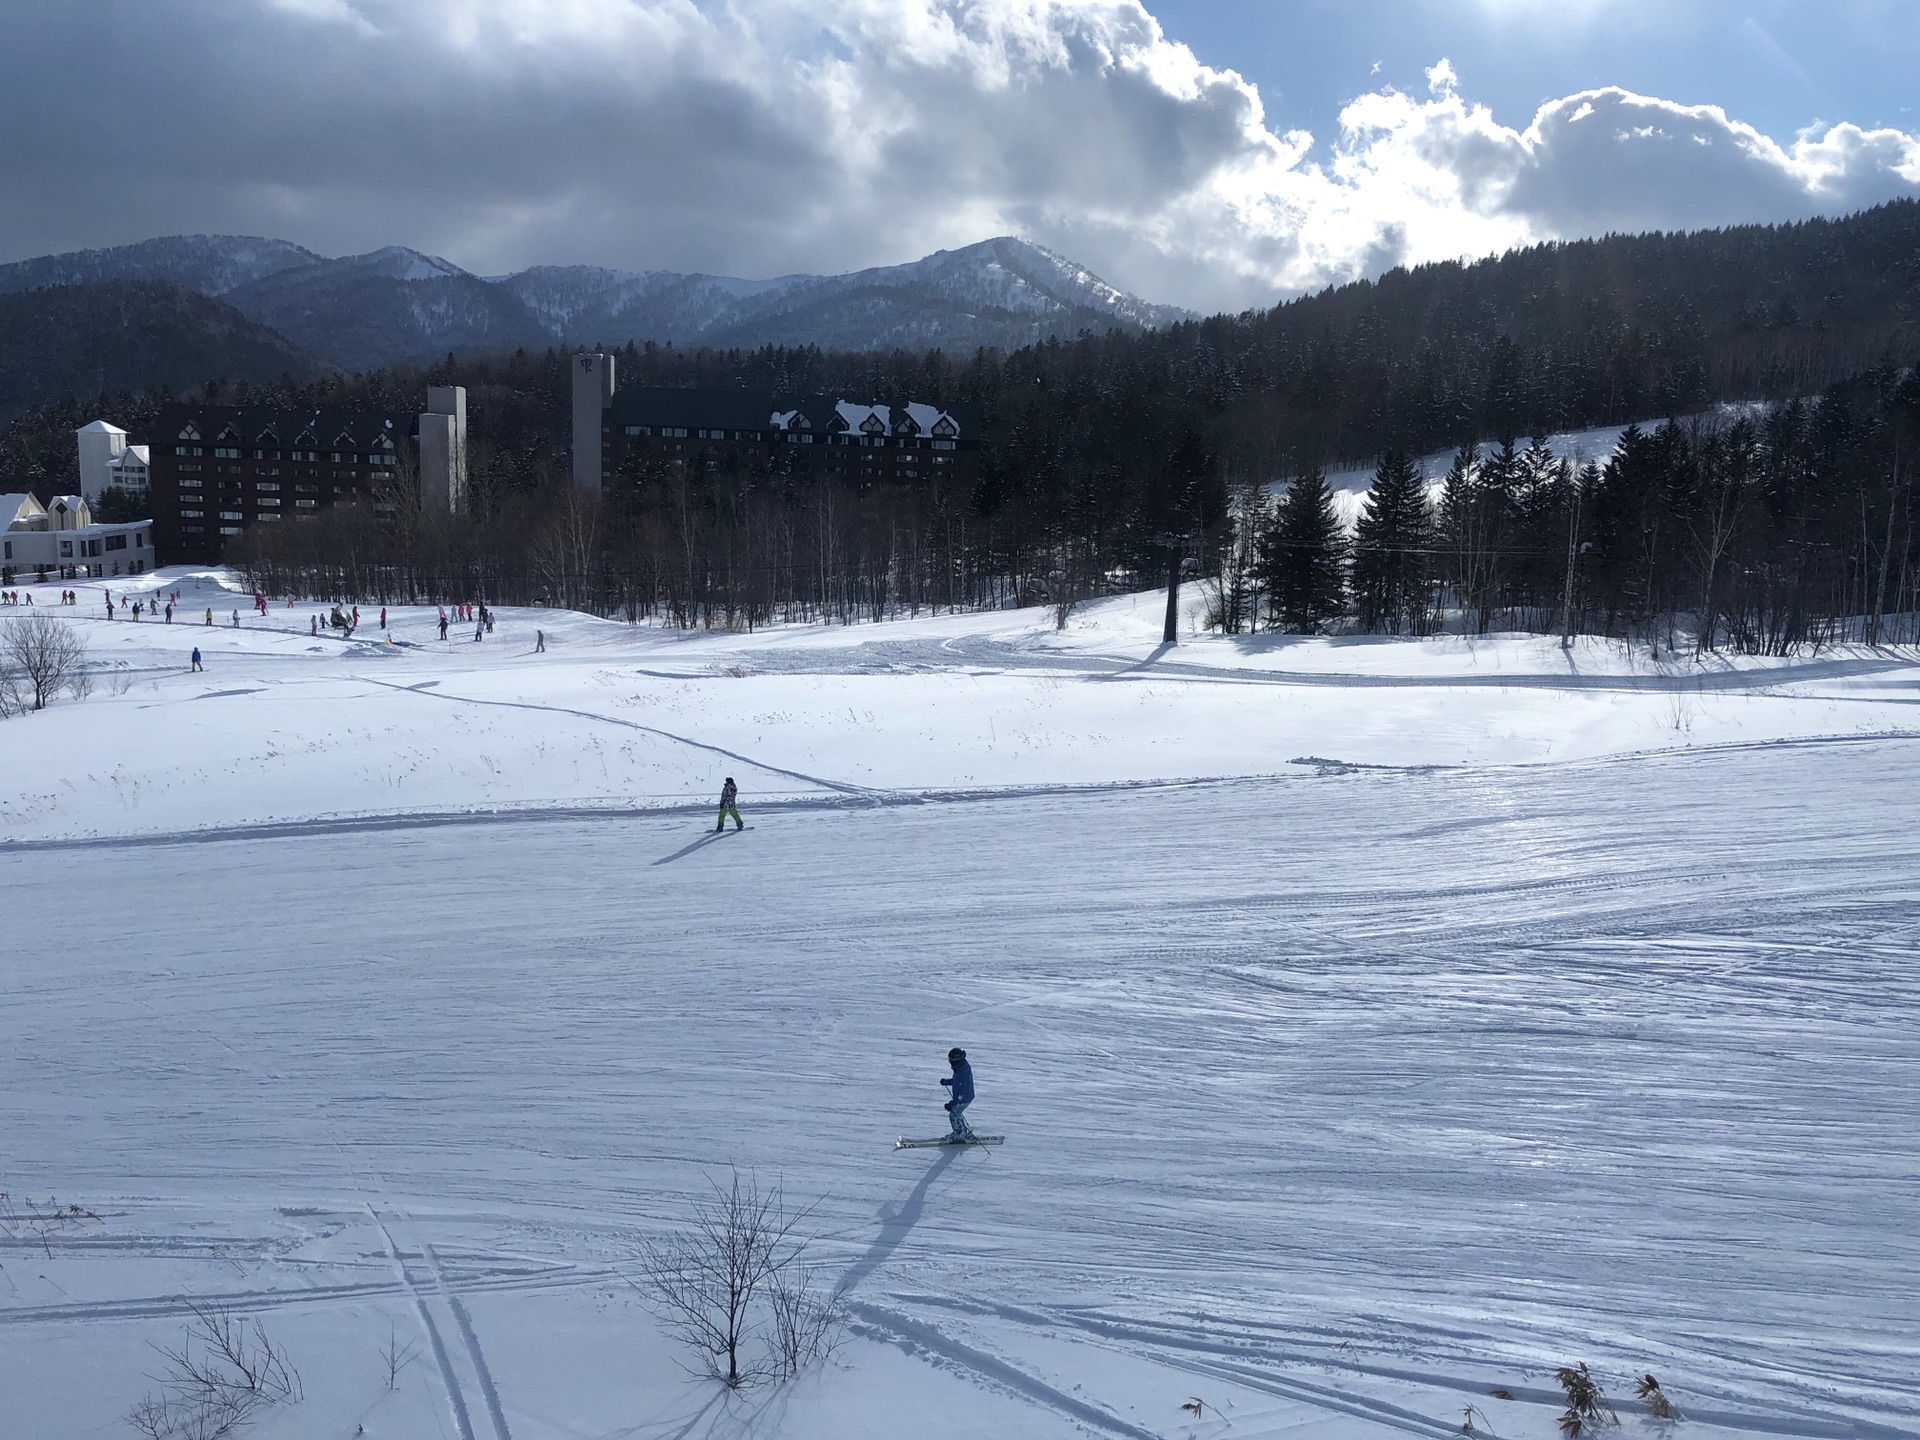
(397, 303)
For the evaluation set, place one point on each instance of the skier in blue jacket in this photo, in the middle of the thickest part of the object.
(960, 1085)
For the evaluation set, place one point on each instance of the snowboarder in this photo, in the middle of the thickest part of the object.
(729, 792)
(196, 657)
(539, 642)
(960, 1087)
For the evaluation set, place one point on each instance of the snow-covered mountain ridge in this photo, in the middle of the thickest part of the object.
(394, 304)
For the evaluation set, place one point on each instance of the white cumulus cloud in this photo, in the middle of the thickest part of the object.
(765, 136)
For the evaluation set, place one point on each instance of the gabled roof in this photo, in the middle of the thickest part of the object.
(356, 429)
(100, 427)
(18, 509)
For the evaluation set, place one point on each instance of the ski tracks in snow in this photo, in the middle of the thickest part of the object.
(941, 1349)
(464, 1371)
(840, 787)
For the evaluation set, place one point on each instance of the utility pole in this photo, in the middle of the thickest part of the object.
(1573, 558)
(1174, 545)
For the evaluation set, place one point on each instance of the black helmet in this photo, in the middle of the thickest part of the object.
(956, 1053)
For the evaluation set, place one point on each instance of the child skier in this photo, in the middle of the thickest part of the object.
(960, 1085)
(729, 792)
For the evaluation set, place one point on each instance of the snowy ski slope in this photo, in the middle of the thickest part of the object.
(1376, 1026)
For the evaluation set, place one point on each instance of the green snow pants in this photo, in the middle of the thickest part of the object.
(734, 811)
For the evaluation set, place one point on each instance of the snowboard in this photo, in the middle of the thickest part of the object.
(903, 1143)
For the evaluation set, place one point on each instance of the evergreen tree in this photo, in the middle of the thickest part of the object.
(1304, 558)
(1391, 550)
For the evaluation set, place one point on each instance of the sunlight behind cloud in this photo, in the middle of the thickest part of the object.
(766, 136)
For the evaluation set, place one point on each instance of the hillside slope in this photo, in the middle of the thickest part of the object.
(85, 340)
(211, 264)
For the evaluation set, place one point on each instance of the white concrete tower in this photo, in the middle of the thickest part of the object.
(100, 445)
(443, 450)
(592, 394)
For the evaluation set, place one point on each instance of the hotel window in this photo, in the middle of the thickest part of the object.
(267, 500)
(229, 529)
(225, 452)
(231, 515)
(305, 504)
(193, 514)
(116, 542)
(268, 485)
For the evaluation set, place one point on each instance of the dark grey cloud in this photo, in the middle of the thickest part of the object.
(766, 136)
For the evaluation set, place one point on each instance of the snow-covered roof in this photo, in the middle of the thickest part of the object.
(100, 427)
(856, 417)
(16, 510)
(133, 455)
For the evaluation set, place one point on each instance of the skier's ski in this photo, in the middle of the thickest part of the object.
(905, 1144)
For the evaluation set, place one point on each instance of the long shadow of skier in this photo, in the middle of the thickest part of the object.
(701, 843)
(896, 1226)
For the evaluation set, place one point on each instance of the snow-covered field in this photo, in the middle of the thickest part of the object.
(1375, 1025)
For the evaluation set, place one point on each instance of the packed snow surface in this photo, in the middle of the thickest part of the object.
(1376, 1026)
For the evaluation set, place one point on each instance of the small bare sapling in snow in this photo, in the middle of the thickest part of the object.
(1655, 1399)
(730, 1287)
(44, 656)
(224, 1373)
(1586, 1407)
(396, 1355)
(42, 1219)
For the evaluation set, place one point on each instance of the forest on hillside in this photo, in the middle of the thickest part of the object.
(1110, 460)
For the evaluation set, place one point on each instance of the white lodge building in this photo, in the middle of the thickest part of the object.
(62, 542)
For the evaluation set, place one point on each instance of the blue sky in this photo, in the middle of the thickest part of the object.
(1779, 66)
(1155, 141)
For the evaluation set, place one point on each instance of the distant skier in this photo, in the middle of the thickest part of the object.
(196, 657)
(443, 624)
(729, 793)
(960, 1086)
(539, 642)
